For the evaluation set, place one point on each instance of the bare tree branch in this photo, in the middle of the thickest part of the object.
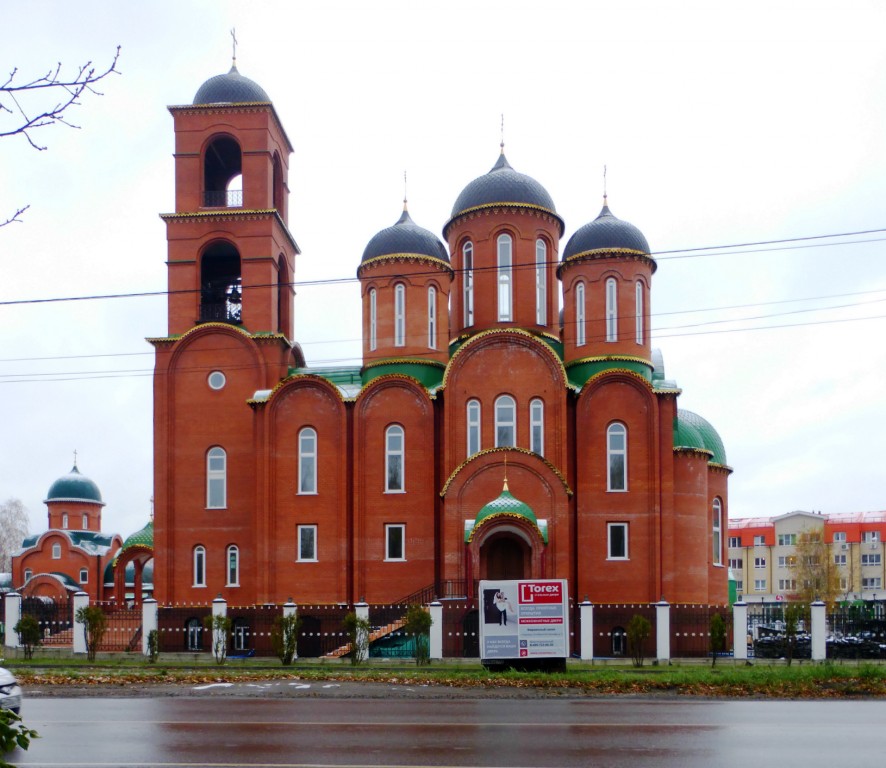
(24, 109)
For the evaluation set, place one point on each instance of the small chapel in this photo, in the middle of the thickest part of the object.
(509, 419)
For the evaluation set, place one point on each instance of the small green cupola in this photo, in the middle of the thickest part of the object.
(506, 505)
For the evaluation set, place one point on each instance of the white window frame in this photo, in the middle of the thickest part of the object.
(759, 563)
(84, 575)
(581, 331)
(734, 541)
(759, 585)
(717, 531)
(541, 282)
(839, 537)
(467, 253)
(64, 520)
(759, 541)
(373, 319)
(198, 571)
(787, 540)
(638, 294)
(505, 261)
(613, 453)
(85, 521)
(28, 574)
(505, 419)
(389, 555)
(736, 563)
(610, 529)
(432, 317)
(787, 561)
(56, 551)
(216, 478)
(870, 537)
(399, 315)
(787, 585)
(611, 309)
(302, 538)
(871, 582)
(840, 559)
(868, 560)
(537, 426)
(395, 456)
(307, 462)
(473, 415)
(232, 565)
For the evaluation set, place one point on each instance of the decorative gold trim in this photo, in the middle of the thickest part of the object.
(313, 377)
(600, 254)
(725, 468)
(513, 515)
(692, 449)
(375, 260)
(617, 371)
(501, 206)
(389, 377)
(404, 361)
(223, 108)
(505, 449)
(608, 358)
(233, 214)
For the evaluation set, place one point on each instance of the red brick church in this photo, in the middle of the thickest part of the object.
(510, 418)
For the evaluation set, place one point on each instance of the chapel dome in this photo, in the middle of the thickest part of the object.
(606, 233)
(231, 88)
(74, 487)
(697, 432)
(405, 238)
(503, 186)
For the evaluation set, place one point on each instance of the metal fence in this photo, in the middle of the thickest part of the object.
(123, 628)
(181, 628)
(322, 629)
(691, 629)
(252, 629)
(55, 618)
(611, 629)
(461, 628)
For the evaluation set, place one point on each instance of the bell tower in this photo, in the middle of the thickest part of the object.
(231, 257)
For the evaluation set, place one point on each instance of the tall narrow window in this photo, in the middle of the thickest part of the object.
(399, 315)
(432, 317)
(616, 457)
(394, 439)
(307, 461)
(216, 478)
(717, 532)
(505, 422)
(581, 336)
(307, 543)
(65, 520)
(537, 427)
(56, 551)
(467, 252)
(505, 289)
(639, 312)
(617, 536)
(395, 537)
(373, 319)
(85, 522)
(233, 566)
(541, 282)
(611, 310)
(473, 424)
(199, 566)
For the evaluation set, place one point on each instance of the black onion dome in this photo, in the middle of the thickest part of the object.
(503, 185)
(74, 487)
(606, 233)
(405, 237)
(231, 88)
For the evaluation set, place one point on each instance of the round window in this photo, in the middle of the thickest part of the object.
(216, 380)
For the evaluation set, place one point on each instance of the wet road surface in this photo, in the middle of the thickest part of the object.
(216, 727)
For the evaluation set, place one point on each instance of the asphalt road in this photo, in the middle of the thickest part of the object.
(316, 726)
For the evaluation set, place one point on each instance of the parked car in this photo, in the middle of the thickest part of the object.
(10, 692)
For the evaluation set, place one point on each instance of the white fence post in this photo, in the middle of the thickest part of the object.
(663, 631)
(81, 600)
(819, 631)
(435, 645)
(13, 616)
(740, 631)
(362, 649)
(587, 630)
(149, 624)
(291, 609)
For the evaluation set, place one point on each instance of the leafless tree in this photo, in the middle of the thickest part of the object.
(27, 105)
(13, 529)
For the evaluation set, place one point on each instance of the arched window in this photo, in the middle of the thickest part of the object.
(505, 288)
(199, 566)
(307, 461)
(222, 163)
(193, 634)
(541, 282)
(85, 521)
(473, 427)
(467, 253)
(56, 551)
(65, 520)
(373, 319)
(611, 310)
(28, 573)
(617, 457)
(537, 426)
(432, 317)
(394, 444)
(639, 312)
(240, 634)
(581, 336)
(399, 315)
(233, 560)
(221, 284)
(505, 422)
(216, 478)
(717, 531)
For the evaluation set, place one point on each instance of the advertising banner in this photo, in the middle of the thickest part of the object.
(526, 619)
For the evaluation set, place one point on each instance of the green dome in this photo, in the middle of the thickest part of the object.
(143, 539)
(74, 487)
(506, 505)
(692, 431)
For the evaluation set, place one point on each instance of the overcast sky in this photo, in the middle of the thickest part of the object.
(720, 124)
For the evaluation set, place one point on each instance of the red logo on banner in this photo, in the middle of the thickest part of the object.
(541, 592)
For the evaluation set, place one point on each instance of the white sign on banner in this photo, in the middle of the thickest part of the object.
(525, 619)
